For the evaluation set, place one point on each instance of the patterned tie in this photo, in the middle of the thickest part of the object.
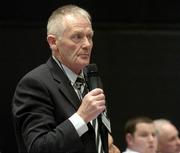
(78, 84)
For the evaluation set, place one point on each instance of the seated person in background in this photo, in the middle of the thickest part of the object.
(112, 147)
(168, 136)
(140, 135)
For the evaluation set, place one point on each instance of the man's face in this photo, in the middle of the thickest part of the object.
(169, 141)
(75, 45)
(144, 139)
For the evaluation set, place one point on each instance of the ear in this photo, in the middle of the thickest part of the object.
(51, 39)
(129, 138)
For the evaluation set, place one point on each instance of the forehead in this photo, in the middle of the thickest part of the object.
(169, 130)
(73, 21)
(145, 127)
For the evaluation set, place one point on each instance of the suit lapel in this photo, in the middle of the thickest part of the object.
(63, 82)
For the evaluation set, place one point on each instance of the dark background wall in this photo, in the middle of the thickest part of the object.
(136, 47)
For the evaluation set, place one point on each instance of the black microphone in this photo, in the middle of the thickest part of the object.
(92, 77)
(93, 81)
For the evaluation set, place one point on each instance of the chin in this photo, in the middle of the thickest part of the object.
(85, 62)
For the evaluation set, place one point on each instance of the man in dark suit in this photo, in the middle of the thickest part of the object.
(50, 116)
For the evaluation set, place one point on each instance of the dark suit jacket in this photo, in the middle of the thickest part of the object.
(43, 101)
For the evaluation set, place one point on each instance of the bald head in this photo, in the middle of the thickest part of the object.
(168, 136)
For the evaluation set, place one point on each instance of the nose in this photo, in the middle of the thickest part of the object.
(178, 141)
(152, 137)
(178, 144)
(87, 42)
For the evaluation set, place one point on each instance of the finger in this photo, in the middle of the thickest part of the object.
(96, 91)
(99, 97)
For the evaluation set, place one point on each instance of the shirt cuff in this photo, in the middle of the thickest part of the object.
(79, 124)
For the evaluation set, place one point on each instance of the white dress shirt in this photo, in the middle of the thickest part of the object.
(129, 151)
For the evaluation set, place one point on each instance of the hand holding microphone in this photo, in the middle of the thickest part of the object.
(92, 105)
(93, 102)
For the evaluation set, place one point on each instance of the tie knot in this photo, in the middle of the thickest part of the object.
(80, 79)
(79, 82)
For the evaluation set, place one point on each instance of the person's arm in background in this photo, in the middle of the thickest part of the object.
(112, 147)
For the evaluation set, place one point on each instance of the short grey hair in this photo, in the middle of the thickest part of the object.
(55, 25)
(159, 123)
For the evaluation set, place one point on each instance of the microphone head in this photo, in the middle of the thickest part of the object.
(92, 77)
(90, 70)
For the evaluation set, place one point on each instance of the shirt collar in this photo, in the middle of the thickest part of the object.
(131, 151)
(70, 74)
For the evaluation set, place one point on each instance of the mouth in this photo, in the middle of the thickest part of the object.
(84, 55)
(151, 147)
